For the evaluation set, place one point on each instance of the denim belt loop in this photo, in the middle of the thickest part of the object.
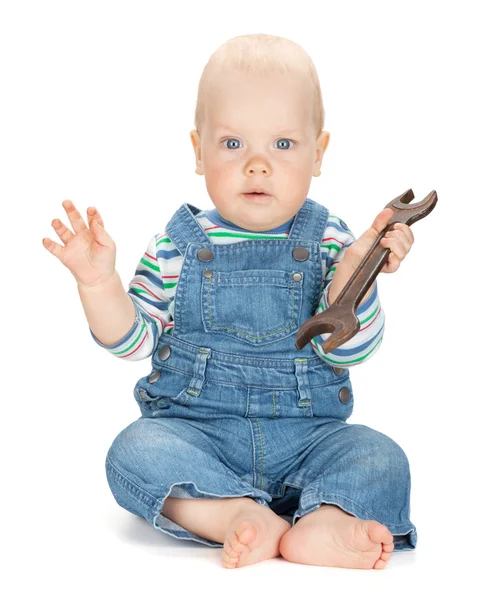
(301, 366)
(197, 381)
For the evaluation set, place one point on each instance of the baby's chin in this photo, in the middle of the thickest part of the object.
(255, 217)
(261, 224)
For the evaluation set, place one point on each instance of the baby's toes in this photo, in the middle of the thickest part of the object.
(232, 546)
(382, 561)
(236, 543)
(228, 561)
(379, 533)
(231, 549)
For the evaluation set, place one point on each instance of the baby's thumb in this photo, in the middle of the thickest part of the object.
(100, 233)
(380, 222)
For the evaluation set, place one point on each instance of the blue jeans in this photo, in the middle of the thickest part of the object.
(267, 446)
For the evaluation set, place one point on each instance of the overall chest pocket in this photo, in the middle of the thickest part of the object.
(255, 306)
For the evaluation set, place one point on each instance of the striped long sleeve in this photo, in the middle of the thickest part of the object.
(365, 343)
(152, 289)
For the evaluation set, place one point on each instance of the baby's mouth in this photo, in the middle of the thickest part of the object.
(256, 196)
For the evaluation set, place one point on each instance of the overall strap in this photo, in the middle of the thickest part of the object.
(310, 222)
(183, 228)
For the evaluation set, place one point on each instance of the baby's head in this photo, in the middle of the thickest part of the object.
(259, 120)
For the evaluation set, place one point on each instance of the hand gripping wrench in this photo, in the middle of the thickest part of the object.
(340, 319)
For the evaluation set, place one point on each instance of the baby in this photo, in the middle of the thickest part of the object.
(243, 442)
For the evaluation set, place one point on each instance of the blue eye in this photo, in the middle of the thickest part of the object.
(231, 147)
(285, 142)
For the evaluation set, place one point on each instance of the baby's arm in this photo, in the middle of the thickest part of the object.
(150, 293)
(337, 239)
(127, 324)
(109, 311)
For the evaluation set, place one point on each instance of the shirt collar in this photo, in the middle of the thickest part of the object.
(214, 216)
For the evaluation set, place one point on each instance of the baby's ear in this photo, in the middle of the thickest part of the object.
(321, 145)
(196, 143)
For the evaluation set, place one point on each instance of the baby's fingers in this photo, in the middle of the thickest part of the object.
(53, 247)
(75, 218)
(407, 232)
(392, 265)
(93, 213)
(61, 230)
(397, 245)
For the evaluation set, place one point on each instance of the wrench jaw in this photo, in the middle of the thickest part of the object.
(341, 334)
(410, 213)
(401, 201)
(312, 327)
(342, 328)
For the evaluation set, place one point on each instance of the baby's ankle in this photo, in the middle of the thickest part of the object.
(206, 517)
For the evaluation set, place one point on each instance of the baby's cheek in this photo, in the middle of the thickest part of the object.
(294, 178)
(218, 164)
(220, 180)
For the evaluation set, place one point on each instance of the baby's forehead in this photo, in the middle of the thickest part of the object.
(277, 103)
(284, 102)
(226, 77)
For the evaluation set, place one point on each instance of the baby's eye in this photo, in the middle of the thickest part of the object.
(231, 146)
(285, 143)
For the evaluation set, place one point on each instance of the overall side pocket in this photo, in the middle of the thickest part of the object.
(160, 389)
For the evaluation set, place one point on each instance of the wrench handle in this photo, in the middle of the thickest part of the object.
(365, 274)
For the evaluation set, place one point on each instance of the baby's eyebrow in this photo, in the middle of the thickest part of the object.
(278, 132)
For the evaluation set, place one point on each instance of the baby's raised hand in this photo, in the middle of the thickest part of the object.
(399, 240)
(88, 252)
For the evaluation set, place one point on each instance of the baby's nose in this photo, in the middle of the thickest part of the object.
(258, 166)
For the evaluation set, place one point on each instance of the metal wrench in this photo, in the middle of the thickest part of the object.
(340, 319)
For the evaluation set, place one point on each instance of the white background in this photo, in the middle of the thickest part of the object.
(97, 102)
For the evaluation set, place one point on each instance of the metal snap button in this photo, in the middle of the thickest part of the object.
(300, 253)
(155, 375)
(208, 273)
(205, 254)
(297, 276)
(164, 352)
(338, 370)
(344, 395)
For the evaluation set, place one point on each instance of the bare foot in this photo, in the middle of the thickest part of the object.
(254, 535)
(331, 537)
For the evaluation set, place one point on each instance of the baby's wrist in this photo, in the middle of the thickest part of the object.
(109, 282)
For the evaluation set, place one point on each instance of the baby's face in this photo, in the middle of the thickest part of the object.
(258, 134)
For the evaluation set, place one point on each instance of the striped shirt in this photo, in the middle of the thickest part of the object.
(152, 290)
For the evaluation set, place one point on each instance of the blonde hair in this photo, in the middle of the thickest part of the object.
(260, 54)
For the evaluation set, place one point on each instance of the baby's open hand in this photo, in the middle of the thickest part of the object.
(399, 240)
(88, 252)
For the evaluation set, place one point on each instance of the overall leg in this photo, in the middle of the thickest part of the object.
(355, 481)
(154, 459)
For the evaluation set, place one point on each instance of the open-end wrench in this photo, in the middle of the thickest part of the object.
(340, 319)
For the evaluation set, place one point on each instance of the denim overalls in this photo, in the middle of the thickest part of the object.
(232, 408)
